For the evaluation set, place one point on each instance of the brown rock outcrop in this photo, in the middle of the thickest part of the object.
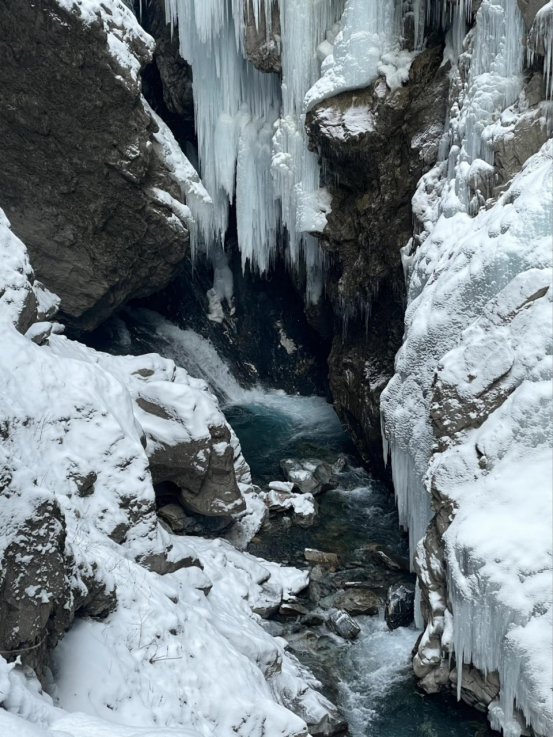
(262, 45)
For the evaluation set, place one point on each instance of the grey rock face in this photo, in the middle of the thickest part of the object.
(263, 47)
(40, 592)
(400, 605)
(529, 8)
(204, 472)
(79, 166)
(174, 71)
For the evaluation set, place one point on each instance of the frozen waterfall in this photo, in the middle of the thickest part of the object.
(253, 148)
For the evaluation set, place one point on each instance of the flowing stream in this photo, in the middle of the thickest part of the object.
(370, 679)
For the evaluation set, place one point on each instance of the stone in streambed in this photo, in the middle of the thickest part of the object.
(292, 609)
(269, 600)
(358, 601)
(327, 560)
(304, 507)
(400, 605)
(309, 476)
(343, 624)
(378, 553)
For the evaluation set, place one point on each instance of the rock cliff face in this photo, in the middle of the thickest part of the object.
(79, 171)
(375, 145)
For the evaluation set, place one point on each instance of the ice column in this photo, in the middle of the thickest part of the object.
(494, 82)
(295, 169)
(235, 109)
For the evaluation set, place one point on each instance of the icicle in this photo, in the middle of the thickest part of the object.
(368, 45)
(236, 106)
(540, 40)
(494, 82)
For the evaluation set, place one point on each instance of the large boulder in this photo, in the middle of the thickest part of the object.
(81, 174)
(400, 605)
(309, 475)
(41, 586)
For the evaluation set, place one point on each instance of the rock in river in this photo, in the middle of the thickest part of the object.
(400, 605)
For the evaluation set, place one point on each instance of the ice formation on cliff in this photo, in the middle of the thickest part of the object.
(475, 371)
(251, 126)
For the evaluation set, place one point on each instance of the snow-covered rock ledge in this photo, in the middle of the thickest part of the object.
(162, 636)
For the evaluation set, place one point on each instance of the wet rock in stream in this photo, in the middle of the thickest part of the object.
(309, 476)
(343, 625)
(400, 605)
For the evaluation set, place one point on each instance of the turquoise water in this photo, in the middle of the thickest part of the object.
(370, 679)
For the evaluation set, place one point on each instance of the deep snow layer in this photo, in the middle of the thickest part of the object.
(182, 653)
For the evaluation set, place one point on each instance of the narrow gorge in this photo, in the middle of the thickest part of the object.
(276, 338)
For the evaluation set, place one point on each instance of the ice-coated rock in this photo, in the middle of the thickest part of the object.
(343, 625)
(400, 605)
(309, 476)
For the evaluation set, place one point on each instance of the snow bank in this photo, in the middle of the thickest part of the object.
(181, 653)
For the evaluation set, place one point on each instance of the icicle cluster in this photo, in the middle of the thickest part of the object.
(541, 42)
(251, 126)
(493, 83)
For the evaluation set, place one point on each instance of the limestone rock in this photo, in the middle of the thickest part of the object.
(358, 601)
(41, 587)
(476, 689)
(263, 49)
(202, 469)
(375, 145)
(325, 560)
(309, 475)
(529, 8)
(291, 608)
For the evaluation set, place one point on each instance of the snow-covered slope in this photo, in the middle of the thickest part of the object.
(467, 416)
(163, 640)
